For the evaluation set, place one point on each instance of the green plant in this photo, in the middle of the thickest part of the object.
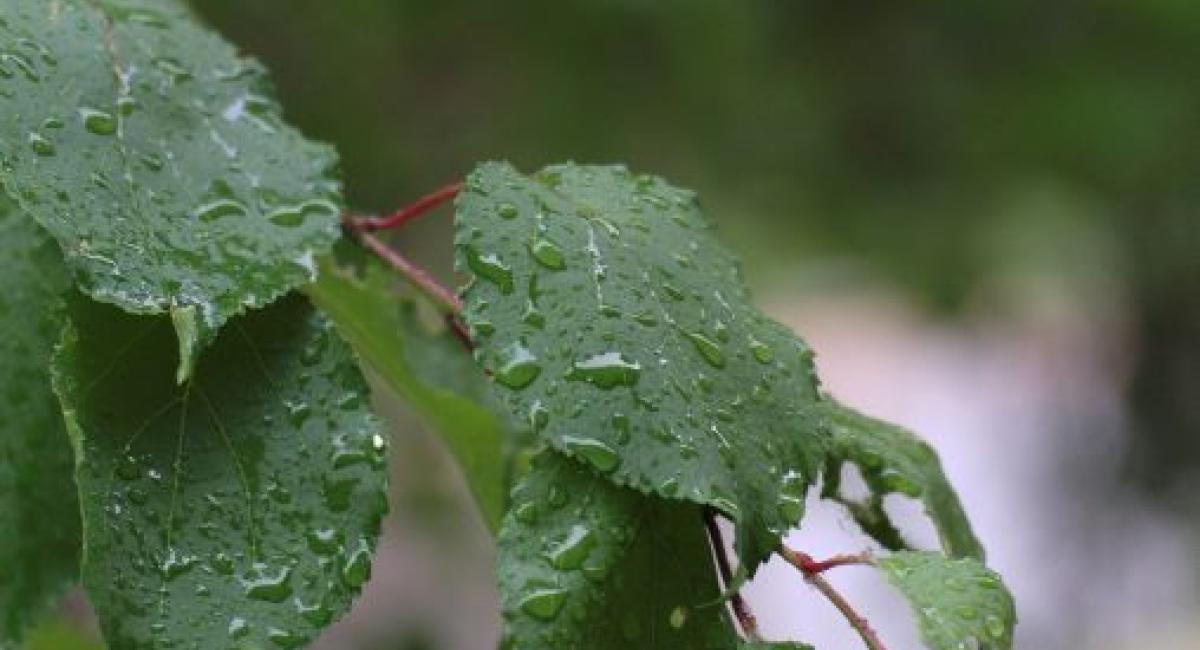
(604, 378)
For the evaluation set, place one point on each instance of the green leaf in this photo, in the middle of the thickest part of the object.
(609, 315)
(238, 510)
(959, 603)
(39, 511)
(431, 372)
(895, 461)
(588, 565)
(157, 158)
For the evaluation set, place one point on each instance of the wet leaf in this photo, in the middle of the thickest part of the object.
(959, 603)
(586, 565)
(39, 513)
(602, 302)
(238, 510)
(156, 157)
(893, 460)
(430, 371)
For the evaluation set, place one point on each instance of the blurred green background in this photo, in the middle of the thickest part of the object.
(926, 147)
(924, 144)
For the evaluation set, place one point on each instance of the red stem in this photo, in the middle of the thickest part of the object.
(446, 298)
(408, 212)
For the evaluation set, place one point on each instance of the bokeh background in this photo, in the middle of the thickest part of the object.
(984, 215)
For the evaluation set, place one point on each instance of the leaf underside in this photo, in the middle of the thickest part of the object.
(585, 564)
(157, 159)
(959, 603)
(893, 460)
(614, 322)
(39, 511)
(432, 372)
(238, 510)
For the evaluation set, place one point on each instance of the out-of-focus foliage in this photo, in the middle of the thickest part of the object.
(917, 137)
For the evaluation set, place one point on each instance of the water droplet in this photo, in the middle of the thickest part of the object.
(176, 564)
(238, 627)
(219, 209)
(98, 122)
(607, 370)
(544, 603)
(678, 617)
(263, 584)
(285, 638)
(298, 412)
(174, 70)
(41, 145)
(507, 211)
(709, 349)
(539, 416)
(518, 368)
(358, 565)
(762, 352)
(573, 550)
(600, 455)
(324, 541)
(621, 424)
(994, 626)
(292, 216)
(548, 254)
(491, 268)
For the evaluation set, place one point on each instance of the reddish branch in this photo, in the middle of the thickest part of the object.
(448, 300)
(813, 570)
(408, 212)
(741, 609)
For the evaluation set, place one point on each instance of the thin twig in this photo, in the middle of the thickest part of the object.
(741, 609)
(812, 571)
(408, 212)
(419, 277)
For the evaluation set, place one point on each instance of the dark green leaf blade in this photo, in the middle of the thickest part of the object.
(588, 565)
(158, 160)
(894, 460)
(432, 373)
(959, 603)
(610, 316)
(39, 511)
(241, 509)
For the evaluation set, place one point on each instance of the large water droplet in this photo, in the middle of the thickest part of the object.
(518, 367)
(548, 254)
(261, 583)
(219, 209)
(41, 145)
(491, 268)
(97, 121)
(600, 455)
(573, 550)
(709, 349)
(607, 370)
(762, 352)
(544, 603)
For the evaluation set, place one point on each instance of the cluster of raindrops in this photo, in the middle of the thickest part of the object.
(596, 291)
